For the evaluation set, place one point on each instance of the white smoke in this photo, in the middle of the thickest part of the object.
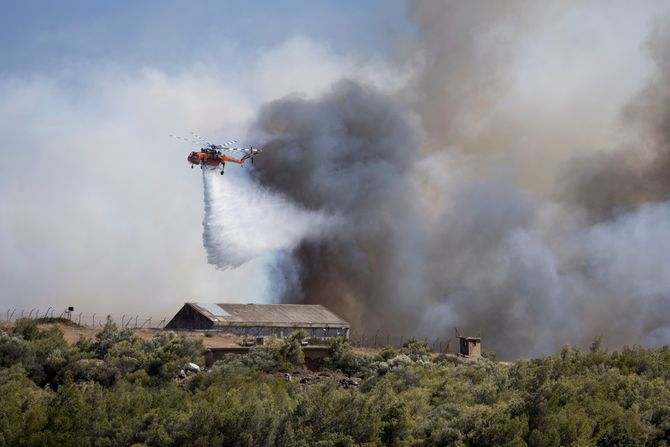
(244, 221)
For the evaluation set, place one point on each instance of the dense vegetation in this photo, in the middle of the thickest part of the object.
(121, 390)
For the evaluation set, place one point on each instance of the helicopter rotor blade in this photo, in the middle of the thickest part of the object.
(233, 149)
(227, 143)
(202, 140)
(185, 139)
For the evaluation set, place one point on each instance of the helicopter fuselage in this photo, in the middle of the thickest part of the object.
(212, 158)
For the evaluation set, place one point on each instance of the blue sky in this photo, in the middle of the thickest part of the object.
(51, 35)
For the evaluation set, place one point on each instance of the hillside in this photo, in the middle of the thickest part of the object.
(118, 387)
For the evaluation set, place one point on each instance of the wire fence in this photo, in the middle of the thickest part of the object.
(92, 321)
(131, 321)
(381, 340)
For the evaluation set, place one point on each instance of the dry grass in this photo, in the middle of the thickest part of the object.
(209, 340)
(73, 333)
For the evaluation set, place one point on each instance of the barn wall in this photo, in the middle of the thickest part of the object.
(264, 331)
(189, 319)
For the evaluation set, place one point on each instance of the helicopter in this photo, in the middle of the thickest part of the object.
(211, 156)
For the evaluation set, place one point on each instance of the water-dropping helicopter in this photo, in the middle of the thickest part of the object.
(211, 156)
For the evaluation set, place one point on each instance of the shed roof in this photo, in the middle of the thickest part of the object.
(469, 338)
(275, 315)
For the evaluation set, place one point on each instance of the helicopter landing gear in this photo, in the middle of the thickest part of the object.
(223, 165)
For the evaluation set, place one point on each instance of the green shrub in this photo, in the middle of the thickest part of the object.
(415, 349)
(26, 328)
(290, 351)
(120, 390)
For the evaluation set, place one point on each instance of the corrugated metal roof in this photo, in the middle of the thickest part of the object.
(277, 315)
(214, 309)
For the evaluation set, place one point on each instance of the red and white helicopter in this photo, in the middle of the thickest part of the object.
(211, 156)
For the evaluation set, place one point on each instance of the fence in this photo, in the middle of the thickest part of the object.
(93, 321)
(381, 340)
(130, 321)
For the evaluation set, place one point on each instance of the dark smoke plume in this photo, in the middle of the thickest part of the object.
(425, 243)
(349, 154)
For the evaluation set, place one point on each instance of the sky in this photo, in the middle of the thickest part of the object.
(45, 35)
(502, 108)
(98, 207)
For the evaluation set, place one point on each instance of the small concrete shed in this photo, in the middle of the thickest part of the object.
(469, 346)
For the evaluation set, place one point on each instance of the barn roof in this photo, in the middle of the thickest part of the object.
(275, 315)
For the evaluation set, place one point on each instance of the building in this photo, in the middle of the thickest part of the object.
(469, 346)
(259, 319)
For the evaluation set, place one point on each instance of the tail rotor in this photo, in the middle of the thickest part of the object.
(253, 152)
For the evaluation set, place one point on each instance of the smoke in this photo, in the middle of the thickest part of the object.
(87, 206)
(349, 153)
(612, 182)
(244, 221)
(467, 49)
(444, 223)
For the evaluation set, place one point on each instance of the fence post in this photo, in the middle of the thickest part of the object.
(93, 321)
(79, 319)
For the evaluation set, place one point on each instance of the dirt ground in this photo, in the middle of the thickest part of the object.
(209, 340)
(72, 334)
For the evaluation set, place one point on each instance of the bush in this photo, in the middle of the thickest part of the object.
(259, 358)
(290, 351)
(342, 357)
(120, 390)
(26, 328)
(167, 353)
(109, 336)
(415, 349)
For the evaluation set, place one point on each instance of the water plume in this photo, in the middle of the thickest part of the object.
(243, 221)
